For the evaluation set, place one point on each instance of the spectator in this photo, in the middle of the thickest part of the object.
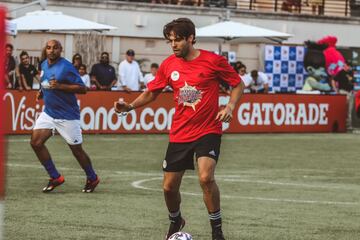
(237, 66)
(42, 58)
(316, 6)
(151, 75)
(241, 69)
(77, 60)
(130, 76)
(27, 72)
(291, 6)
(343, 83)
(10, 65)
(84, 76)
(103, 74)
(259, 82)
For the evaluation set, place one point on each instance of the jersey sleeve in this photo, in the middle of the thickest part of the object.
(160, 81)
(226, 73)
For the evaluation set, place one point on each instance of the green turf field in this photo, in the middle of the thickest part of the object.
(285, 186)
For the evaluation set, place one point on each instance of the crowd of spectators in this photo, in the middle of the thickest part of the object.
(317, 6)
(129, 77)
(102, 75)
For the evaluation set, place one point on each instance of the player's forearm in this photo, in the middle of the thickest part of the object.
(235, 95)
(144, 98)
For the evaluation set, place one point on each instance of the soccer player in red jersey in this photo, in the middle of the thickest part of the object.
(194, 75)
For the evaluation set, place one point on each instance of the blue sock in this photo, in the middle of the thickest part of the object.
(90, 173)
(51, 169)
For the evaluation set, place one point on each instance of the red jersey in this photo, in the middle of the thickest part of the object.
(196, 93)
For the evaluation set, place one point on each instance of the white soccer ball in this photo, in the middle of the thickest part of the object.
(180, 236)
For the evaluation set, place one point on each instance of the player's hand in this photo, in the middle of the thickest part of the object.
(122, 107)
(225, 115)
(53, 84)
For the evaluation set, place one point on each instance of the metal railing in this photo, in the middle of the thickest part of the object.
(339, 8)
(336, 8)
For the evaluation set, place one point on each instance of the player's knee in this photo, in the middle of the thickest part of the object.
(206, 180)
(36, 144)
(169, 188)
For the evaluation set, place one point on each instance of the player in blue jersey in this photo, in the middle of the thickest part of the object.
(60, 81)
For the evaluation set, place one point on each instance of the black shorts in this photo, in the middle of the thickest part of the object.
(180, 156)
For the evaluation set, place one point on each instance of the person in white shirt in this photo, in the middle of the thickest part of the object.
(130, 76)
(241, 69)
(84, 76)
(151, 75)
(259, 82)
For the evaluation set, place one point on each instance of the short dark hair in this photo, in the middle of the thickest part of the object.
(105, 53)
(130, 52)
(82, 66)
(9, 45)
(182, 27)
(154, 65)
(254, 73)
(76, 55)
(23, 53)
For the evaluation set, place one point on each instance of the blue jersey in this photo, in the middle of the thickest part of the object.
(60, 104)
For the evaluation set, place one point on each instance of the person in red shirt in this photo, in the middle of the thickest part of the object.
(194, 75)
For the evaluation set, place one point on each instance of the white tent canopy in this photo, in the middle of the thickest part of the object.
(56, 22)
(239, 32)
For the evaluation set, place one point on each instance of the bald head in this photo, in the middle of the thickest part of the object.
(53, 50)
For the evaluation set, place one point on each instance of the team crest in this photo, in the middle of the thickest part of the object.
(189, 96)
(175, 75)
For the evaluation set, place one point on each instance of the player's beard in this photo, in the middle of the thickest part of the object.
(53, 57)
(183, 52)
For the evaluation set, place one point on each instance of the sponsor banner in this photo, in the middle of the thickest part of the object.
(255, 113)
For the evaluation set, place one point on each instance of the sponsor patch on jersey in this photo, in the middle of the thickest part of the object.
(175, 75)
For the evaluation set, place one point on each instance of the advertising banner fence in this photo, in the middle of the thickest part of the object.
(254, 114)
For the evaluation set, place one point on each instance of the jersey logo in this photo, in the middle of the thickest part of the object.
(175, 75)
(164, 164)
(212, 153)
(189, 96)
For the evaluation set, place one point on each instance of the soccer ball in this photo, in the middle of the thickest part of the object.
(180, 236)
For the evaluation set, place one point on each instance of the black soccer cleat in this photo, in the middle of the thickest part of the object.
(91, 185)
(175, 226)
(53, 183)
(218, 235)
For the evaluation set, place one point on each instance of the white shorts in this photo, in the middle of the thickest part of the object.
(70, 130)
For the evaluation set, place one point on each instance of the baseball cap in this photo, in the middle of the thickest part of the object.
(130, 52)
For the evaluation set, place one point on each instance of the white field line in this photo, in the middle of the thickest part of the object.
(230, 178)
(139, 185)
